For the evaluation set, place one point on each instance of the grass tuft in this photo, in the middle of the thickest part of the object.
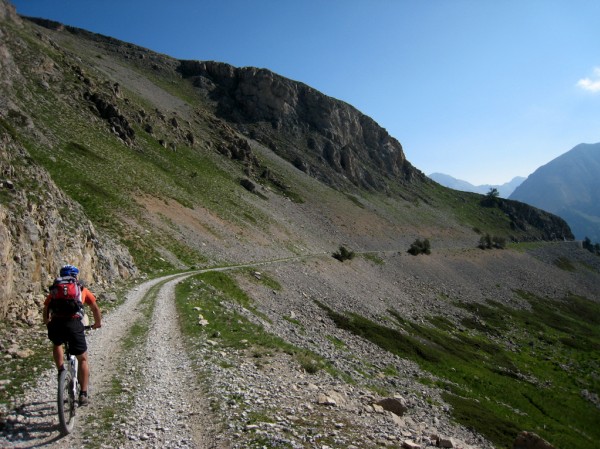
(214, 296)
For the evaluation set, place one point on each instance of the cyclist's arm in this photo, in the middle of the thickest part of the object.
(97, 315)
(45, 314)
(90, 300)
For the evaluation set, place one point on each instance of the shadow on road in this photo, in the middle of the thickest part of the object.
(30, 425)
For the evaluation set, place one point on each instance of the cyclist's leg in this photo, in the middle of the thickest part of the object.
(78, 347)
(56, 334)
(83, 375)
(58, 354)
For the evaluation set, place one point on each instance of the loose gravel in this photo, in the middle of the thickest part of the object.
(34, 423)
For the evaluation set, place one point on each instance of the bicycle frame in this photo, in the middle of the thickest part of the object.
(73, 368)
(68, 391)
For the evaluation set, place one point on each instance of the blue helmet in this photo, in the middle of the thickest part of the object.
(69, 270)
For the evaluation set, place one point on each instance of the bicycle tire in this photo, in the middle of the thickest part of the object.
(65, 401)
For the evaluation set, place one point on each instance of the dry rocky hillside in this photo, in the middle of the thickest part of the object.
(134, 165)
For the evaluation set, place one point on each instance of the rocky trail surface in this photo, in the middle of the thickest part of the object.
(164, 388)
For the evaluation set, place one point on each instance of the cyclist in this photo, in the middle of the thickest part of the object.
(69, 327)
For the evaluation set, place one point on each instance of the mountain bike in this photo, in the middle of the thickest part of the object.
(68, 391)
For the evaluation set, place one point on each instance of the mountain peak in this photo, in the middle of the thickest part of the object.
(568, 186)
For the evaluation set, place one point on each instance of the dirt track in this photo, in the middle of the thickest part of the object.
(165, 375)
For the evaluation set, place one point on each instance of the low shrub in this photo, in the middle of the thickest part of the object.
(420, 247)
(343, 254)
(490, 242)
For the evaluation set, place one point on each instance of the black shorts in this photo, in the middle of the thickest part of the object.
(71, 331)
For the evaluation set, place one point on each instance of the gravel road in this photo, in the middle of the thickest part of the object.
(158, 373)
(168, 407)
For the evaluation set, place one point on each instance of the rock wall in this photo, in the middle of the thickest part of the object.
(326, 132)
(42, 229)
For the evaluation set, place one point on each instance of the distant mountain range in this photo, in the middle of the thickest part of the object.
(568, 186)
(505, 189)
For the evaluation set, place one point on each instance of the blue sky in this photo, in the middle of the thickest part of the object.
(482, 90)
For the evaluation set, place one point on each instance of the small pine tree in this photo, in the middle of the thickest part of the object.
(493, 193)
(492, 198)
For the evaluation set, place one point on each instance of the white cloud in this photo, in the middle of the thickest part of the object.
(591, 84)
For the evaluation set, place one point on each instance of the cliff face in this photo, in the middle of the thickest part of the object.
(322, 136)
(40, 230)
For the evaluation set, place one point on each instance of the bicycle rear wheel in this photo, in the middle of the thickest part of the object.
(66, 402)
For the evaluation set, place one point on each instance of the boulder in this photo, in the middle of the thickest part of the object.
(331, 397)
(530, 440)
(393, 405)
(447, 442)
(248, 185)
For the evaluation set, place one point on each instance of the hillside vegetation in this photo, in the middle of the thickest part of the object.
(129, 163)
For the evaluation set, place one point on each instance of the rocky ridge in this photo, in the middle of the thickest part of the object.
(327, 137)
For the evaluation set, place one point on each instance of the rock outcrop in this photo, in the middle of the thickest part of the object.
(525, 217)
(8, 12)
(530, 440)
(326, 137)
(111, 114)
(41, 229)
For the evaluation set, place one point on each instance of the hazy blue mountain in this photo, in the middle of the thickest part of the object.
(568, 186)
(458, 184)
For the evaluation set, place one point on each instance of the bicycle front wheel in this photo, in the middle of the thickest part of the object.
(66, 402)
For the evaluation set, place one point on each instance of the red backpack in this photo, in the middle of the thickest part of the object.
(65, 298)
